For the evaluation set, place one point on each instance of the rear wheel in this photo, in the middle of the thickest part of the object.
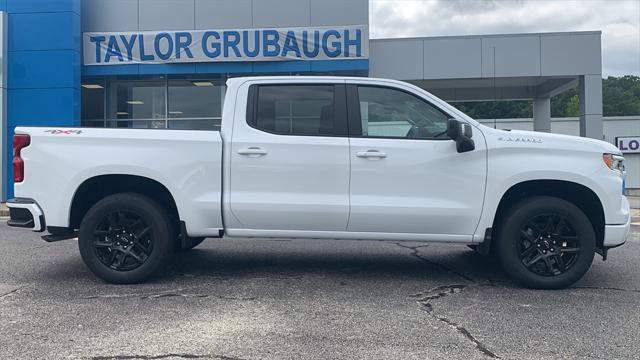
(126, 238)
(546, 243)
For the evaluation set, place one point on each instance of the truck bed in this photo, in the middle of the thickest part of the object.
(187, 163)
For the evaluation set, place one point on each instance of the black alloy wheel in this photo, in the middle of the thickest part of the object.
(548, 245)
(545, 242)
(126, 238)
(123, 241)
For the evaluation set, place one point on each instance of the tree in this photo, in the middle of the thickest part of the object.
(496, 109)
(621, 95)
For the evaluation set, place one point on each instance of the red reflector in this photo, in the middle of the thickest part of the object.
(20, 141)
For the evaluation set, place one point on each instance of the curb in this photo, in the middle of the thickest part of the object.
(635, 216)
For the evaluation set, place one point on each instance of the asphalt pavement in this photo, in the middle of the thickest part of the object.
(315, 299)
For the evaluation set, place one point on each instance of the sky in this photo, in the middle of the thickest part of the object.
(619, 21)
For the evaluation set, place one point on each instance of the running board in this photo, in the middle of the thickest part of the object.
(55, 238)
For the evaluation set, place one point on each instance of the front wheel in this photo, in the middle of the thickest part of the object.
(545, 243)
(125, 238)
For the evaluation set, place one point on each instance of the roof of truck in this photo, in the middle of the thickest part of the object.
(310, 78)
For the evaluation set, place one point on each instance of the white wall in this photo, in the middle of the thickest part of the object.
(139, 15)
(613, 126)
(487, 56)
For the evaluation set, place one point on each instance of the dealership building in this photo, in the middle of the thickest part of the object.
(163, 64)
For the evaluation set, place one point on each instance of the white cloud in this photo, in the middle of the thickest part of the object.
(619, 21)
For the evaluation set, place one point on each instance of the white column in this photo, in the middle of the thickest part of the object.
(542, 114)
(590, 89)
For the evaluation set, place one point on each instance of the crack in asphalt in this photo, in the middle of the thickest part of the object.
(440, 292)
(220, 277)
(178, 293)
(481, 347)
(424, 298)
(9, 293)
(166, 356)
(165, 295)
(416, 254)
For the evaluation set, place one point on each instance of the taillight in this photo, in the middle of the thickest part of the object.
(20, 141)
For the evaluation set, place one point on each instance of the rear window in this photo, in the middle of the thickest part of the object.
(308, 110)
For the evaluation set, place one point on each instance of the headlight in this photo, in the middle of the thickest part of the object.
(614, 162)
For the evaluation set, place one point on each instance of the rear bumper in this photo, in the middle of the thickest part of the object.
(25, 213)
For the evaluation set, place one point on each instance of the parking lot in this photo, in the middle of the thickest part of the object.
(289, 299)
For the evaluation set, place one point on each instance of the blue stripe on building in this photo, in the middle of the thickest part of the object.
(43, 66)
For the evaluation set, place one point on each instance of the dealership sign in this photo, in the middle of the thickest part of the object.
(316, 43)
(628, 144)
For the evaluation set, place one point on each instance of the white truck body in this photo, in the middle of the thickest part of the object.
(250, 183)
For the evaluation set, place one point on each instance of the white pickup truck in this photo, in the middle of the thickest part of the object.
(330, 158)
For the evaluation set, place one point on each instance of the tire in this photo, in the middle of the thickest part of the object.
(549, 229)
(126, 238)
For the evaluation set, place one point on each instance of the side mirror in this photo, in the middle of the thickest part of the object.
(461, 133)
(453, 129)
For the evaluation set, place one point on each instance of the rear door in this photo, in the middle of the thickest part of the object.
(290, 159)
(406, 175)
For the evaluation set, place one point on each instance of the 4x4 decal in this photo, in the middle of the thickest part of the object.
(63, 132)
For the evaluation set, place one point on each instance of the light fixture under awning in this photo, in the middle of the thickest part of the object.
(92, 86)
(202, 83)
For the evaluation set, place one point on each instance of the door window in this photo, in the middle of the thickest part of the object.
(297, 110)
(391, 113)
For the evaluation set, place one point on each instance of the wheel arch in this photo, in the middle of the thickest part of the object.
(577, 194)
(98, 187)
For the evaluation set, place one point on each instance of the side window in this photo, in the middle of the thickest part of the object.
(386, 112)
(296, 110)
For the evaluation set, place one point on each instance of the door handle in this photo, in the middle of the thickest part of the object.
(371, 154)
(253, 151)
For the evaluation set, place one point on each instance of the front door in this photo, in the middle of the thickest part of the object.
(406, 175)
(290, 159)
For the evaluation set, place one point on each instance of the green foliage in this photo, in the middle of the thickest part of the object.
(566, 104)
(496, 109)
(620, 97)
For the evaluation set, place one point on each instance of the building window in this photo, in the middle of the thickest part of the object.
(153, 103)
(195, 104)
(93, 100)
(138, 104)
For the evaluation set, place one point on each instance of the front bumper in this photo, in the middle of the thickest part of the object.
(616, 235)
(25, 213)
